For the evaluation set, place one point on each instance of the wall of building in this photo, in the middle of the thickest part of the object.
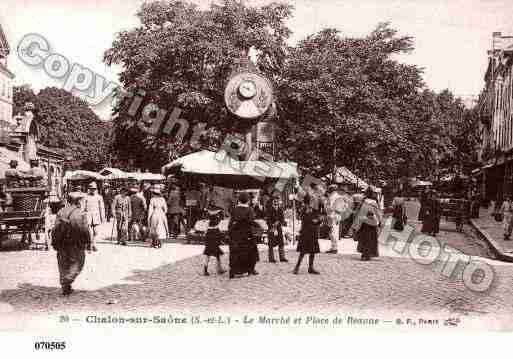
(496, 110)
(6, 97)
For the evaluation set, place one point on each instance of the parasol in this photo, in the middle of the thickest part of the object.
(217, 168)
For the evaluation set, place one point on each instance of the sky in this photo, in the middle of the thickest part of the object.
(451, 37)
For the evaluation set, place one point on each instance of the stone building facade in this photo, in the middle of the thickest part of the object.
(496, 122)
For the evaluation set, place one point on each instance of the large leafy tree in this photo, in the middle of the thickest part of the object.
(68, 123)
(181, 56)
(346, 101)
(340, 100)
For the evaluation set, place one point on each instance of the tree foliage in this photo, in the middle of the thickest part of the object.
(66, 122)
(181, 56)
(348, 102)
(344, 101)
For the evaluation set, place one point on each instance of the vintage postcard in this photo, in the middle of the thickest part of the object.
(255, 166)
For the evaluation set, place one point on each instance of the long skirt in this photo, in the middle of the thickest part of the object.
(428, 224)
(368, 241)
(70, 262)
(243, 255)
(158, 225)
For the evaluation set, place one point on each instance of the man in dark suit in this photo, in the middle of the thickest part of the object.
(138, 206)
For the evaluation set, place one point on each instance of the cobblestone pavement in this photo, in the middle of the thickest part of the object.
(139, 278)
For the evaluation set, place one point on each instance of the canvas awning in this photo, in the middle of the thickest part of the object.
(145, 176)
(82, 175)
(421, 183)
(344, 175)
(219, 169)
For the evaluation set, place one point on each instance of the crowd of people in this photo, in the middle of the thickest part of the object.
(145, 207)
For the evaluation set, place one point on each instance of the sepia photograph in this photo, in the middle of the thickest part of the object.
(265, 166)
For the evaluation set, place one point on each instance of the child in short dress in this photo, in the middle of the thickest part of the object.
(213, 239)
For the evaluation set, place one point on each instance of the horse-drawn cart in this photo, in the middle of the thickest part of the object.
(27, 216)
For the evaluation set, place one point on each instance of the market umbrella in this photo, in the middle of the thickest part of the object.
(113, 173)
(421, 184)
(218, 169)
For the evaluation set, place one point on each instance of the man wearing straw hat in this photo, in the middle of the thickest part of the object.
(72, 241)
(93, 205)
(122, 212)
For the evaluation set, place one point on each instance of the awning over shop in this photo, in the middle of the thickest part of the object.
(344, 175)
(219, 169)
(418, 183)
(146, 176)
(79, 175)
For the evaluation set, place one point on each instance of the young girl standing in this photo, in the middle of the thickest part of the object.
(213, 239)
(308, 242)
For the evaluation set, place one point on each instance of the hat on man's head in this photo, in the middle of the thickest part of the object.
(93, 185)
(106, 184)
(156, 189)
(76, 195)
(34, 161)
(134, 189)
(13, 163)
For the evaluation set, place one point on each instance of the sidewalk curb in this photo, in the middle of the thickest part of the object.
(502, 256)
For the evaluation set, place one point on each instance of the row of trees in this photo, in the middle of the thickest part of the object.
(340, 100)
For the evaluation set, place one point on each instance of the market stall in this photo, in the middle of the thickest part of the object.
(115, 177)
(80, 179)
(219, 170)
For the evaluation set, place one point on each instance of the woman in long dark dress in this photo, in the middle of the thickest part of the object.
(423, 204)
(430, 215)
(308, 242)
(437, 215)
(243, 245)
(368, 236)
(399, 213)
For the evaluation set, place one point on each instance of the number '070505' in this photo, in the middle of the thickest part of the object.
(50, 345)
